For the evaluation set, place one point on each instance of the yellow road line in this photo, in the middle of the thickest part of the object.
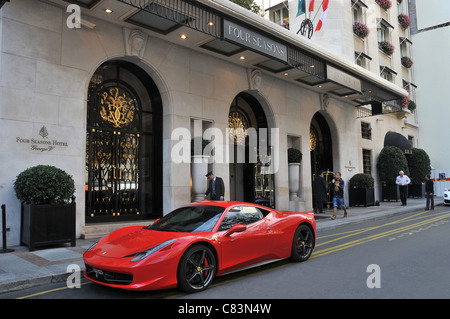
(376, 236)
(363, 230)
(49, 291)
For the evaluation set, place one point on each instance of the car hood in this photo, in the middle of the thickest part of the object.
(132, 242)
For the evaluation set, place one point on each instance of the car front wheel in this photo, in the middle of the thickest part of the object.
(302, 244)
(197, 269)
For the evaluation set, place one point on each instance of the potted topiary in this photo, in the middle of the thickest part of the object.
(390, 161)
(199, 167)
(294, 160)
(48, 206)
(361, 191)
(419, 166)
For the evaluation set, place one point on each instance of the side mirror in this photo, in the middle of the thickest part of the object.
(238, 228)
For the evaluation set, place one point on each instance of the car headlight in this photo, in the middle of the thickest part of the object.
(445, 195)
(143, 254)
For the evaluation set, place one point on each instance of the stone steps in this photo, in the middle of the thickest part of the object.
(102, 229)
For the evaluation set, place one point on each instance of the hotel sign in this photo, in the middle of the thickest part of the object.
(43, 144)
(254, 41)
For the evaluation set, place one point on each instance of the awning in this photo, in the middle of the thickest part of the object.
(229, 30)
(398, 140)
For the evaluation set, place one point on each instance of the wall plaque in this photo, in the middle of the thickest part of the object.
(42, 144)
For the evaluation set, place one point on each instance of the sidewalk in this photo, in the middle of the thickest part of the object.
(23, 269)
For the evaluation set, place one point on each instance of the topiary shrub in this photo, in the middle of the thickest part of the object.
(294, 155)
(195, 145)
(44, 184)
(419, 165)
(361, 181)
(390, 161)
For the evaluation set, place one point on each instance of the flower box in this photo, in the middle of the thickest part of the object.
(386, 47)
(407, 62)
(360, 29)
(385, 4)
(404, 20)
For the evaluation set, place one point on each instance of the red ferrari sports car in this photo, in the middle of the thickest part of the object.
(197, 242)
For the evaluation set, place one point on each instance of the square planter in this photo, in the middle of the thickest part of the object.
(389, 193)
(361, 197)
(43, 225)
(416, 190)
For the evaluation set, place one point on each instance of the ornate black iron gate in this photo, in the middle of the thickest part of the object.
(113, 187)
(120, 154)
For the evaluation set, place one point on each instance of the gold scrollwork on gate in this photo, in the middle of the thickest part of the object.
(117, 107)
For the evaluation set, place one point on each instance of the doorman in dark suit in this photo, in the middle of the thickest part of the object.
(216, 188)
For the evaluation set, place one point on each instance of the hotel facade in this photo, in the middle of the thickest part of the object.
(114, 91)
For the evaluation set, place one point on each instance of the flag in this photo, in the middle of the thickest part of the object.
(301, 7)
(324, 14)
(311, 6)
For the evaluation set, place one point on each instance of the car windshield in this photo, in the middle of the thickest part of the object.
(191, 219)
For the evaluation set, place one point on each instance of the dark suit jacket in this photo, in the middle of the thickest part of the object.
(320, 189)
(219, 187)
(429, 187)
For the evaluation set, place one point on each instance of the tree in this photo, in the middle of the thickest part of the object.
(250, 5)
(419, 165)
(390, 161)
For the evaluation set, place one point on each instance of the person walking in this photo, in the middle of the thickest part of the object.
(338, 198)
(429, 192)
(320, 192)
(216, 188)
(402, 181)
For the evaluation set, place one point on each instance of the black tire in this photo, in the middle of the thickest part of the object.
(197, 269)
(302, 244)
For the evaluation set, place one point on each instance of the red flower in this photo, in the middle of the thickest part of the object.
(385, 4)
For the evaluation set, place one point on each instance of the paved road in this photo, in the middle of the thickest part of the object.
(400, 257)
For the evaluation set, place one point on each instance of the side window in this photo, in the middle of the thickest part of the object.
(245, 215)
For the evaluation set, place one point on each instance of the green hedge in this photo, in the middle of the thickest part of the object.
(361, 181)
(419, 165)
(294, 155)
(44, 184)
(391, 161)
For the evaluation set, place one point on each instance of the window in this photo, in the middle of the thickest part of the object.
(387, 73)
(362, 59)
(383, 31)
(411, 140)
(367, 161)
(404, 46)
(366, 131)
(279, 14)
(357, 11)
(244, 215)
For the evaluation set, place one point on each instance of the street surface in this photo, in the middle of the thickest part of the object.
(406, 256)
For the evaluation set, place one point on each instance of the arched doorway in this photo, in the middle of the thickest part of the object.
(321, 148)
(123, 145)
(249, 177)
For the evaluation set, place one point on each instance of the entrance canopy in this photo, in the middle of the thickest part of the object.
(224, 29)
(398, 140)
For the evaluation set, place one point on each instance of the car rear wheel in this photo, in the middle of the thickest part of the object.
(302, 244)
(197, 269)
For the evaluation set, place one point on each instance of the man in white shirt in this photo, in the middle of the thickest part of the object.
(402, 181)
